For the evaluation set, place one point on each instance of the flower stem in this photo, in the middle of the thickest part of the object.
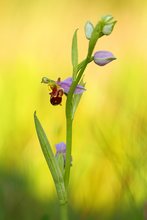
(97, 33)
(68, 144)
(69, 120)
(80, 65)
(63, 212)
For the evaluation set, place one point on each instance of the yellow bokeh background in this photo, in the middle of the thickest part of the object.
(108, 176)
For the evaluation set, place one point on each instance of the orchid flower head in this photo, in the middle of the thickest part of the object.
(59, 88)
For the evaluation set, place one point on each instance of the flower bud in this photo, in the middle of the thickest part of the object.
(108, 24)
(88, 29)
(107, 18)
(108, 28)
(61, 155)
(61, 148)
(103, 57)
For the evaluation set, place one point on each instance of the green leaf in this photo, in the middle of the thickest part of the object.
(60, 161)
(76, 100)
(74, 53)
(51, 161)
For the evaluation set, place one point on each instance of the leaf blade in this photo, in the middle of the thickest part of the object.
(51, 162)
(74, 53)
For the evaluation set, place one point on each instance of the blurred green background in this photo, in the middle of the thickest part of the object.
(108, 178)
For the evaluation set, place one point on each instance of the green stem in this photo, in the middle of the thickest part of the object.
(68, 144)
(97, 33)
(63, 212)
(80, 65)
(69, 121)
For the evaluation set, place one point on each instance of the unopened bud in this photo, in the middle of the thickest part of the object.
(108, 24)
(88, 29)
(107, 18)
(103, 57)
(108, 28)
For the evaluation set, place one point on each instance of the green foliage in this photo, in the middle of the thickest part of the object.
(74, 53)
(51, 161)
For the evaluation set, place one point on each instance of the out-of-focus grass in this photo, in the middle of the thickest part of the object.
(108, 178)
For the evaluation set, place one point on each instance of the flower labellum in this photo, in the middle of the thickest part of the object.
(56, 96)
(56, 91)
(59, 88)
(103, 57)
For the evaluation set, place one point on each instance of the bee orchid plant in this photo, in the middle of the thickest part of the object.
(73, 88)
